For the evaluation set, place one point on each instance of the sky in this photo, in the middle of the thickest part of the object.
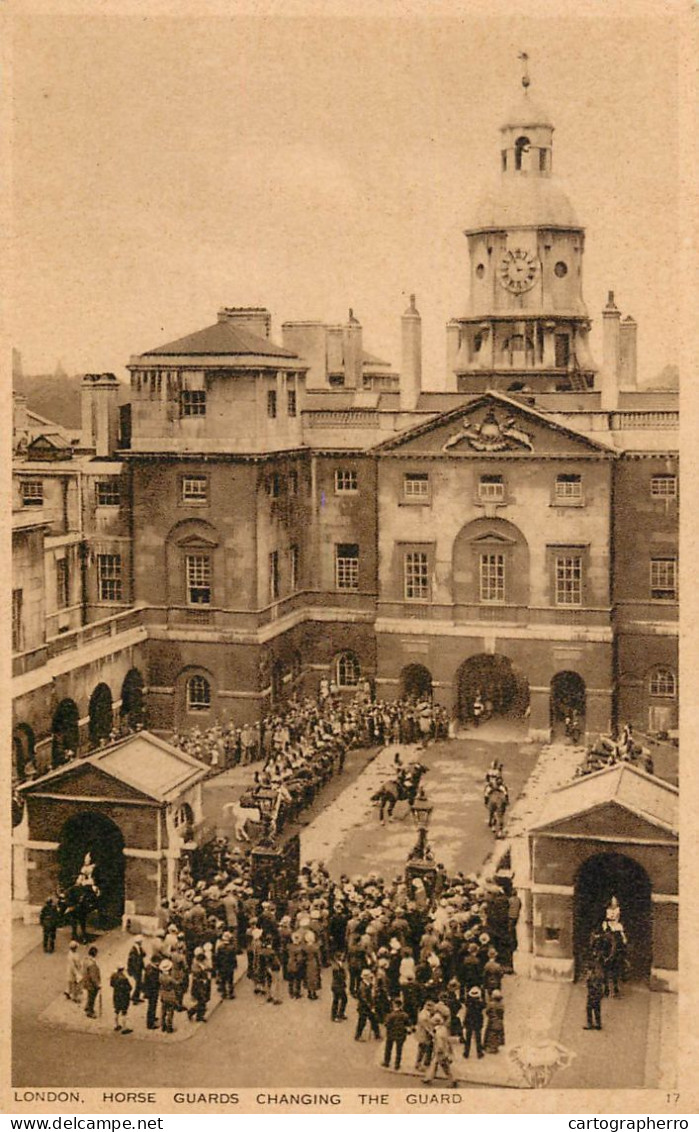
(163, 167)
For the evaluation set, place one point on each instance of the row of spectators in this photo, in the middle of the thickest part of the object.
(361, 723)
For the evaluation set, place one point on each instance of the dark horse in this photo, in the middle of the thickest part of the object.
(80, 901)
(497, 804)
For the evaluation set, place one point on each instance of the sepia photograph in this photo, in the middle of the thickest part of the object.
(345, 557)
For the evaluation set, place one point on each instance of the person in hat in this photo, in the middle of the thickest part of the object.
(365, 1006)
(74, 972)
(200, 986)
(492, 974)
(495, 1025)
(397, 1024)
(473, 1021)
(443, 1056)
(121, 997)
(424, 1034)
(92, 981)
(225, 964)
(168, 996)
(594, 980)
(296, 964)
(151, 990)
(49, 919)
(135, 966)
(338, 1009)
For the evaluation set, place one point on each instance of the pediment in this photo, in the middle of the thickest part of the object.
(493, 425)
(611, 819)
(84, 780)
(197, 542)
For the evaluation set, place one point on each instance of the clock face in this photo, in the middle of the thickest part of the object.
(518, 270)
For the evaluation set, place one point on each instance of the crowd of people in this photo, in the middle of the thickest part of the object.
(360, 722)
(414, 961)
(609, 750)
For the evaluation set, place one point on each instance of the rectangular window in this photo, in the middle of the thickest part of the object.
(346, 479)
(663, 487)
(272, 403)
(194, 489)
(569, 579)
(347, 566)
(292, 482)
(193, 403)
(562, 349)
(416, 486)
(198, 579)
(16, 620)
(108, 493)
(62, 584)
(291, 402)
(568, 488)
(274, 575)
(273, 485)
(492, 577)
(491, 487)
(32, 493)
(416, 578)
(293, 568)
(663, 579)
(109, 577)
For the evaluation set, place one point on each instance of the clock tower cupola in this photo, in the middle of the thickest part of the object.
(526, 326)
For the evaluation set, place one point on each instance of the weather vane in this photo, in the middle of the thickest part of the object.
(526, 81)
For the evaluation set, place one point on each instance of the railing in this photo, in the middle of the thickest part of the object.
(653, 418)
(468, 613)
(75, 639)
(249, 620)
(341, 418)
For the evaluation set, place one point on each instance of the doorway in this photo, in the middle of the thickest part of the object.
(98, 835)
(499, 683)
(599, 878)
(416, 682)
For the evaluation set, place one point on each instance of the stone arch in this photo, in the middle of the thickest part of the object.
(416, 682)
(95, 833)
(568, 693)
(65, 728)
(600, 877)
(132, 708)
(500, 684)
(101, 714)
(483, 550)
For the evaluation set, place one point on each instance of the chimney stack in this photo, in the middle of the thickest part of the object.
(353, 352)
(99, 410)
(609, 376)
(628, 353)
(411, 358)
(256, 320)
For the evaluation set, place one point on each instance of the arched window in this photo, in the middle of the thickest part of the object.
(198, 694)
(663, 683)
(521, 147)
(348, 669)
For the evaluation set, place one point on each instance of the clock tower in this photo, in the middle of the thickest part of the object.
(527, 325)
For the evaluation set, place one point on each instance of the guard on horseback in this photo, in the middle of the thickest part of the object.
(496, 797)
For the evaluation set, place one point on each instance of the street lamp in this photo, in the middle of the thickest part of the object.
(420, 863)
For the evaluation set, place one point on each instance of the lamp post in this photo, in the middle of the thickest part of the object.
(420, 863)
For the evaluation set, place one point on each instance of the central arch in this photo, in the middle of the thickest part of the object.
(599, 878)
(568, 694)
(500, 684)
(416, 682)
(101, 714)
(94, 833)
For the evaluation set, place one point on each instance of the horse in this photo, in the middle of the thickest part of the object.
(497, 805)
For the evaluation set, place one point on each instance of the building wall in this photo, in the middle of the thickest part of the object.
(28, 576)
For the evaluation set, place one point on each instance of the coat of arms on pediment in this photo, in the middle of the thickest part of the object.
(492, 434)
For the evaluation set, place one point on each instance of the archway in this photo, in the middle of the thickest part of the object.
(22, 750)
(599, 878)
(65, 728)
(98, 835)
(568, 694)
(101, 714)
(498, 682)
(416, 682)
(132, 707)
